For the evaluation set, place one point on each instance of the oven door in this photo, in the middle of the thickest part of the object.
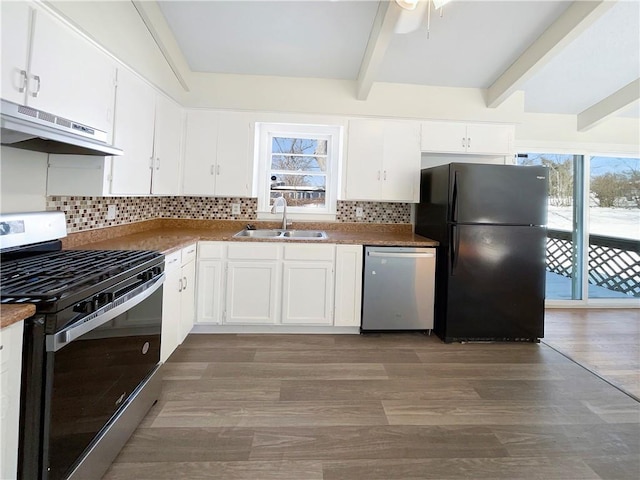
(93, 368)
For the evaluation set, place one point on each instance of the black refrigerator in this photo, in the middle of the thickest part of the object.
(490, 221)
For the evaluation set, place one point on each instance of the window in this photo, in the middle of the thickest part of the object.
(299, 163)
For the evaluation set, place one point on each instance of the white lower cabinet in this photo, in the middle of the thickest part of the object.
(10, 377)
(252, 292)
(210, 285)
(170, 305)
(188, 293)
(348, 290)
(307, 284)
(286, 284)
(178, 299)
(252, 283)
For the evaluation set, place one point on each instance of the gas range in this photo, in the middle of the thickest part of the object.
(91, 353)
(79, 278)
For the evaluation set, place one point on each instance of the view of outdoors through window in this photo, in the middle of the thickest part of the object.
(614, 227)
(299, 171)
(612, 253)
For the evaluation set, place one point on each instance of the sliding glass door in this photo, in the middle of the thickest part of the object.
(613, 264)
(564, 239)
(593, 236)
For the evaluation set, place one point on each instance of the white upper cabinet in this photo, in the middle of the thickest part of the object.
(383, 161)
(149, 130)
(135, 112)
(16, 27)
(167, 147)
(472, 138)
(218, 155)
(65, 74)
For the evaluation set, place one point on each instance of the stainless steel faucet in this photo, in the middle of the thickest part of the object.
(281, 201)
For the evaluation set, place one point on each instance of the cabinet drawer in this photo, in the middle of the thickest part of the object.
(309, 252)
(172, 260)
(253, 251)
(210, 250)
(188, 254)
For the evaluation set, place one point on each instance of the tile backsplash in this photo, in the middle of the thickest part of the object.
(86, 213)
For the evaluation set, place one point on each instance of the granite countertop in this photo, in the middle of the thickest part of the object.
(171, 237)
(13, 313)
(168, 235)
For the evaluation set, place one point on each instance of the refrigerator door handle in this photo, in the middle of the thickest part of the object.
(454, 199)
(455, 245)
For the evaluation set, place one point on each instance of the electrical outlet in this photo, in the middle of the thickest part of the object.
(235, 209)
(112, 211)
(359, 212)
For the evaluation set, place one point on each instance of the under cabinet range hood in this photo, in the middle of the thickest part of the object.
(31, 129)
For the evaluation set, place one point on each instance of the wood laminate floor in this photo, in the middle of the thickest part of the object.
(607, 341)
(349, 407)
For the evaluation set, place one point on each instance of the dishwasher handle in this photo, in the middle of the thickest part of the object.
(401, 254)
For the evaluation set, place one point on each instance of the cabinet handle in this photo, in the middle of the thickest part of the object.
(385, 174)
(179, 285)
(469, 142)
(463, 142)
(217, 169)
(213, 169)
(23, 88)
(37, 79)
(158, 163)
(185, 283)
(378, 174)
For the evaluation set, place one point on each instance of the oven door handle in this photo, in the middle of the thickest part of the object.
(59, 340)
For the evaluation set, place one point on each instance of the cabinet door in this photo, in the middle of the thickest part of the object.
(490, 139)
(252, 292)
(69, 76)
(16, 28)
(10, 379)
(167, 137)
(348, 288)
(171, 308)
(401, 165)
(307, 293)
(234, 167)
(443, 137)
(364, 160)
(209, 285)
(187, 300)
(135, 112)
(201, 136)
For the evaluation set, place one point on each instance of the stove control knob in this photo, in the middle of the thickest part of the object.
(84, 307)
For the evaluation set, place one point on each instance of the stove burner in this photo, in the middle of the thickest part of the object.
(47, 278)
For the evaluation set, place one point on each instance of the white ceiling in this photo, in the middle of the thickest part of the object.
(471, 45)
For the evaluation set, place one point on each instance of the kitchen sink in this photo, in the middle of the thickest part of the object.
(259, 233)
(304, 234)
(283, 234)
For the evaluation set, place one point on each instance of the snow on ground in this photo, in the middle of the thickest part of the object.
(611, 222)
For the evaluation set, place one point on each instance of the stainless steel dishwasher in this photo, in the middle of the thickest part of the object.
(398, 288)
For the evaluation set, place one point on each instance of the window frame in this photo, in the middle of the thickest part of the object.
(333, 134)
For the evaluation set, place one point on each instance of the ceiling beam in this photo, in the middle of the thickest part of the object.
(155, 22)
(379, 39)
(609, 106)
(571, 23)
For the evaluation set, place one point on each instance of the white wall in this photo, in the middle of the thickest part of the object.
(23, 180)
(558, 133)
